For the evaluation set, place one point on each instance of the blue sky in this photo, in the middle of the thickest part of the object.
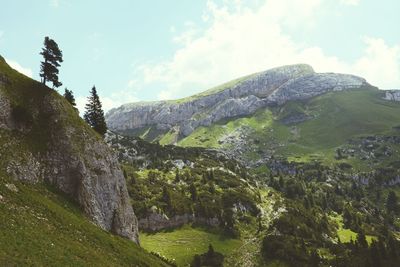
(158, 49)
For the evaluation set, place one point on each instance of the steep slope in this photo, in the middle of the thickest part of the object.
(238, 98)
(42, 139)
(41, 226)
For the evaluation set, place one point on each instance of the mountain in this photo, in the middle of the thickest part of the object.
(313, 157)
(241, 97)
(46, 147)
(289, 112)
(282, 168)
(356, 127)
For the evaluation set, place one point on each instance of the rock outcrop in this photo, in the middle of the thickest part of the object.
(42, 139)
(393, 95)
(272, 87)
(158, 221)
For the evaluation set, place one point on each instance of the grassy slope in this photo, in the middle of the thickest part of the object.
(38, 226)
(183, 243)
(214, 90)
(209, 136)
(346, 235)
(337, 117)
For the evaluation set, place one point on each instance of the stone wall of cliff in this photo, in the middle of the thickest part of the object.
(42, 139)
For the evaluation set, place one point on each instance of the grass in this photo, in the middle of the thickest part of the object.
(346, 114)
(334, 118)
(346, 235)
(210, 136)
(168, 138)
(40, 227)
(214, 90)
(183, 243)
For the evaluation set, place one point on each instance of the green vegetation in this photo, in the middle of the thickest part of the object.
(347, 235)
(307, 204)
(214, 90)
(210, 136)
(305, 131)
(41, 227)
(94, 114)
(169, 138)
(69, 96)
(183, 243)
(353, 234)
(52, 56)
(179, 181)
(313, 213)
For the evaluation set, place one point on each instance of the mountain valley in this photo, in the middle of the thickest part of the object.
(309, 177)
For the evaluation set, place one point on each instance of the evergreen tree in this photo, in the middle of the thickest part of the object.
(69, 96)
(166, 197)
(193, 192)
(361, 240)
(210, 252)
(52, 58)
(177, 176)
(314, 258)
(391, 202)
(94, 114)
(375, 254)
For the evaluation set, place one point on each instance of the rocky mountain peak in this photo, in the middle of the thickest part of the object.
(243, 97)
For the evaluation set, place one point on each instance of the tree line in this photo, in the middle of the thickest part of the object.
(49, 70)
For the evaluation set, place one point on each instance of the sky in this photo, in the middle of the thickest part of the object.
(167, 49)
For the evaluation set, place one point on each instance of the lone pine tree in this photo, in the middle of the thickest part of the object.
(52, 58)
(94, 114)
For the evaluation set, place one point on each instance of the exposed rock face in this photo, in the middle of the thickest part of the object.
(393, 95)
(157, 221)
(272, 87)
(54, 145)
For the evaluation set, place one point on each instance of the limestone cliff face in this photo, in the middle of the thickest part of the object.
(393, 95)
(42, 139)
(272, 87)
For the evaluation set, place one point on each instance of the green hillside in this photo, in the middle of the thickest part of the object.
(41, 227)
(312, 129)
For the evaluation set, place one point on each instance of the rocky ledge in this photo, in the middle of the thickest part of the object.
(268, 88)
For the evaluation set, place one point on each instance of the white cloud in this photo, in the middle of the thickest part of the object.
(380, 63)
(350, 2)
(240, 41)
(54, 3)
(16, 66)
